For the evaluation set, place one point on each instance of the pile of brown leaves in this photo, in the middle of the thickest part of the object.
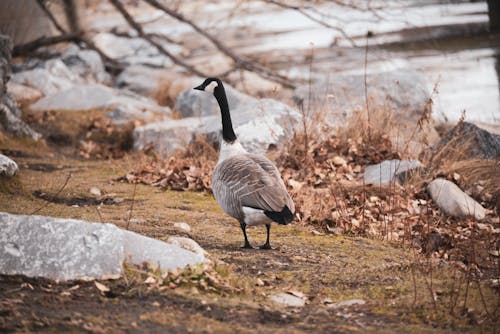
(205, 276)
(188, 170)
(174, 174)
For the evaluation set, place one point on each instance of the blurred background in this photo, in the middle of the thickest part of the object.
(451, 44)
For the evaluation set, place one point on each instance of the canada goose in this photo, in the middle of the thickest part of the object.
(247, 186)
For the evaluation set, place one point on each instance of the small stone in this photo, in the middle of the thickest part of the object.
(259, 282)
(137, 221)
(339, 161)
(183, 226)
(453, 201)
(389, 171)
(347, 303)
(7, 166)
(95, 191)
(287, 299)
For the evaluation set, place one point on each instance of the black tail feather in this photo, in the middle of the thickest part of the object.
(284, 217)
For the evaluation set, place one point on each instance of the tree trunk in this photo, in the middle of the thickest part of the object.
(494, 15)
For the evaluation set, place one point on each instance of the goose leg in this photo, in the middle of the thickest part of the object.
(267, 245)
(244, 229)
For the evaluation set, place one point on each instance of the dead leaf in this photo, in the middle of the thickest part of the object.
(101, 287)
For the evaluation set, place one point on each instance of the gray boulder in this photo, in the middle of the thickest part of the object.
(75, 67)
(453, 201)
(468, 141)
(49, 78)
(124, 105)
(389, 171)
(134, 50)
(192, 102)
(10, 114)
(141, 79)
(70, 249)
(257, 123)
(11, 122)
(87, 64)
(403, 91)
(400, 96)
(8, 167)
(169, 135)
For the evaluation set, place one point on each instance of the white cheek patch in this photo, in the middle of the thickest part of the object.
(210, 88)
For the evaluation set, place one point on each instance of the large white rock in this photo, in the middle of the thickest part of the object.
(124, 105)
(388, 171)
(141, 79)
(257, 123)
(134, 50)
(87, 64)
(192, 102)
(52, 77)
(8, 167)
(70, 249)
(404, 91)
(453, 201)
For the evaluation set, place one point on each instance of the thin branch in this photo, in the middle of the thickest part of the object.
(240, 62)
(24, 49)
(137, 27)
(56, 195)
(51, 17)
(312, 18)
(131, 210)
(79, 38)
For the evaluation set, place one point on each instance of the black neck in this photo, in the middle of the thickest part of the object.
(227, 126)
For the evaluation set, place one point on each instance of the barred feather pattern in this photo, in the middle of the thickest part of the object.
(249, 180)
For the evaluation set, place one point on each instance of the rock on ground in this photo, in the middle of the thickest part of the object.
(158, 83)
(187, 243)
(22, 94)
(469, 141)
(287, 299)
(8, 167)
(400, 95)
(389, 171)
(87, 64)
(124, 105)
(49, 78)
(67, 249)
(404, 91)
(192, 102)
(183, 226)
(133, 50)
(347, 303)
(453, 201)
(74, 67)
(10, 114)
(257, 123)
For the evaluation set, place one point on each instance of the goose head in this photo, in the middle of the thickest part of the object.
(228, 134)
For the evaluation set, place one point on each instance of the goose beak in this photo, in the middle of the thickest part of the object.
(200, 87)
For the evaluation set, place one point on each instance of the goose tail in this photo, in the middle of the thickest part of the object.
(284, 217)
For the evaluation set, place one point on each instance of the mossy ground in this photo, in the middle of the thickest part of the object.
(402, 291)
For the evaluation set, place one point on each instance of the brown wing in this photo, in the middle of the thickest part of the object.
(254, 181)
